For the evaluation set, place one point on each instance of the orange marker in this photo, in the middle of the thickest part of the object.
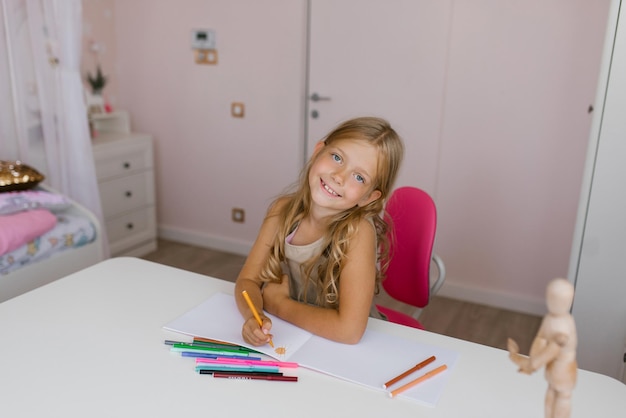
(254, 312)
(418, 380)
(408, 372)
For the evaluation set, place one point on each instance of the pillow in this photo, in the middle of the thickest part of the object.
(21, 228)
(17, 176)
(13, 202)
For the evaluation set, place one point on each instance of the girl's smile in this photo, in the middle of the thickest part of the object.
(328, 189)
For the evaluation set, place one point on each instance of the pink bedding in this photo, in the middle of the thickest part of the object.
(22, 227)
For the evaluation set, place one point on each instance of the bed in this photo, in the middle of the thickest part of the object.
(73, 243)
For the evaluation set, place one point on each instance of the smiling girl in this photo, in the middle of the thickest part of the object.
(320, 254)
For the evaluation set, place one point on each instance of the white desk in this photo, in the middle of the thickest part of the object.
(91, 345)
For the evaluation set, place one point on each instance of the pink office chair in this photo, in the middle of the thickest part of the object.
(414, 221)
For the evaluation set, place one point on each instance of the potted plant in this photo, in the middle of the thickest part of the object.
(97, 82)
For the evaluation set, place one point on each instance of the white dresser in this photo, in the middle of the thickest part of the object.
(125, 171)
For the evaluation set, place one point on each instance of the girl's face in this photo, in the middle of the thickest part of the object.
(342, 175)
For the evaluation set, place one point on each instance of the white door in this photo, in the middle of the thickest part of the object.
(597, 264)
(354, 71)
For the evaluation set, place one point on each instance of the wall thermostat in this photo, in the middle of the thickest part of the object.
(203, 39)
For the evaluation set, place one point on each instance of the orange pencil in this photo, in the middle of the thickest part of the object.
(408, 372)
(254, 312)
(418, 380)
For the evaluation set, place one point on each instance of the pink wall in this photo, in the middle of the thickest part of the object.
(207, 161)
(520, 78)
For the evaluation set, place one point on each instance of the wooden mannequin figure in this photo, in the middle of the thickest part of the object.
(554, 347)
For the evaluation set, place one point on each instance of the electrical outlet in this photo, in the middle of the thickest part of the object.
(238, 215)
(206, 56)
(237, 109)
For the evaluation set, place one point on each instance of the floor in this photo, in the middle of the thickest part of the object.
(464, 320)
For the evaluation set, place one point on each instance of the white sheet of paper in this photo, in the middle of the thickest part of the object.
(376, 359)
(218, 318)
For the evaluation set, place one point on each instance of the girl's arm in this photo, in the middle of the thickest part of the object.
(356, 291)
(249, 280)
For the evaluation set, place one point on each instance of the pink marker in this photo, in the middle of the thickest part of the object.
(222, 360)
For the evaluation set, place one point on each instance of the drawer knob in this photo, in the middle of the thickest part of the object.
(126, 165)
(128, 193)
(130, 226)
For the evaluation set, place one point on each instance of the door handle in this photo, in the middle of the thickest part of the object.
(317, 98)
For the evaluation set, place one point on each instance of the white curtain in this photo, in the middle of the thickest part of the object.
(43, 118)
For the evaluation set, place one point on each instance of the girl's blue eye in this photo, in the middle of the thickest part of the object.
(336, 158)
(359, 178)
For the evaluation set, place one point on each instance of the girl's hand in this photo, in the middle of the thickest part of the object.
(253, 334)
(274, 294)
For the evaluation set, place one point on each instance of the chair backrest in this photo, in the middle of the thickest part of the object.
(413, 219)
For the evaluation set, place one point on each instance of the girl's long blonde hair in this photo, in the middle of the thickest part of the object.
(343, 226)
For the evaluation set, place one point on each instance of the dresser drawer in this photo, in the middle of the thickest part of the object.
(126, 193)
(118, 162)
(125, 172)
(131, 229)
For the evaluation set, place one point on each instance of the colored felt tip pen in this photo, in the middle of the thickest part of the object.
(247, 362)
(256, 377)
(420, 379)
(216, 356)
(408, 372)
(254, 312)
(240, 373)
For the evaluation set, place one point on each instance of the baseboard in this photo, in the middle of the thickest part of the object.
(205, 240)
(497, 299)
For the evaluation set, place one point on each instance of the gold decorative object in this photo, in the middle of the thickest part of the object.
(17, 176)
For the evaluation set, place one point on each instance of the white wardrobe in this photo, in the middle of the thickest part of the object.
(598, 261)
